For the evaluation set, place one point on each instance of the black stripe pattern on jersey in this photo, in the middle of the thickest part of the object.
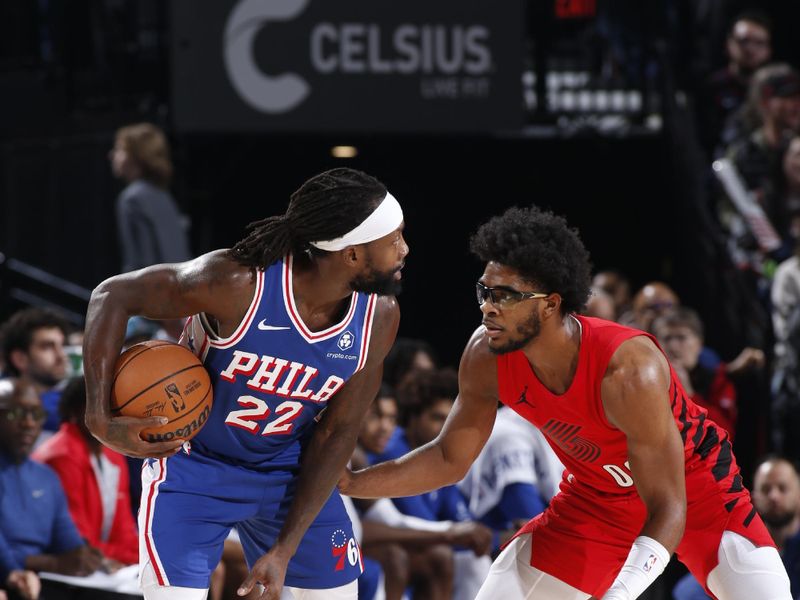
(682, 418)
(729, 505)
(736, 485)
(698, 435)
(749, 517)
(708, 444)
(722, 466)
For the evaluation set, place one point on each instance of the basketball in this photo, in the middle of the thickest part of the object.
(162, 379)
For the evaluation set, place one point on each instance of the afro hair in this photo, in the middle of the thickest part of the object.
(542, 248)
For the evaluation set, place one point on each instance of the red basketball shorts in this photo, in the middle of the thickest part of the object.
(583, 538)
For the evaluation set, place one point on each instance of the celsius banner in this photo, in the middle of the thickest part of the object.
(347, 65)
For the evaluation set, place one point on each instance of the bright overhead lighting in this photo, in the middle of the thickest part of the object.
(344, 151)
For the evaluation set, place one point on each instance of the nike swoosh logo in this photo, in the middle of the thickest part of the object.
(264, 327)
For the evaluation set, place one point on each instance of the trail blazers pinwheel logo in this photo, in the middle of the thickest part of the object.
(566, 436)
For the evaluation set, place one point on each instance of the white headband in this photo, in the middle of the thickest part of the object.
(384, 220)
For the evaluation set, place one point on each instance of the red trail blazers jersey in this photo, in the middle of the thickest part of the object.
(598, 507)
(594, 451)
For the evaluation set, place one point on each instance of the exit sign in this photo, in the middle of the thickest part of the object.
(576, 9)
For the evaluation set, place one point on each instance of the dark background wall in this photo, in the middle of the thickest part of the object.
(614, 191)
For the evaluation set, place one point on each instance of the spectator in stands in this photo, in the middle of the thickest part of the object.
(33, 347)
(23, 585)
(782, 199)
(774, 103)
(406, 355)
(618, 286)
(514, 477)
(680, 333)
(749, 47)
(652, 300)
(398, 564)
(657, 298)
(600, 305)
(425, 398)
(36, 530)
(95, 480)
(412, 551)
(790, 183)
(776, 498)
(151, 228)
(379, 425)
(786, 371)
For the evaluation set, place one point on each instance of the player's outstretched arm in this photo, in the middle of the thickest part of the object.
(331, 446)
(446, 459)
(635, 392)
(210, 283)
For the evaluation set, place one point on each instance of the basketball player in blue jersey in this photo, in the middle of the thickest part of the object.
(294, 320)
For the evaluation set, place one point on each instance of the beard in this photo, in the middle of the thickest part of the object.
(777, 520)
(526, 332)
(45, 378)
(382, 283)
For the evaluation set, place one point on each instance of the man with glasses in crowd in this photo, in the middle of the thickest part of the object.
(36, 530)
(748, 47)
(647, 474)
(33, 348)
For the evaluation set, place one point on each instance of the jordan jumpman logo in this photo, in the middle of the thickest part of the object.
(523, 398)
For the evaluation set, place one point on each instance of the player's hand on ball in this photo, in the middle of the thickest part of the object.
(269, 571)
(123, 434)
(164, 390)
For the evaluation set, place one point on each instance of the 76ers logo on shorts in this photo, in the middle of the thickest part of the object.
(343, 547)
(345, 341)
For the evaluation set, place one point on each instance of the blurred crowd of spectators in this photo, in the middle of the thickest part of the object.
(749, 115)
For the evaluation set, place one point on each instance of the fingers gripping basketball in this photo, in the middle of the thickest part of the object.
(162, 379)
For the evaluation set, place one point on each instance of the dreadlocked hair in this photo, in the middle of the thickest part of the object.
(325, 207)
(542, 248)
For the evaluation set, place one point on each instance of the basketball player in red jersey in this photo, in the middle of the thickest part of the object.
(647, 473)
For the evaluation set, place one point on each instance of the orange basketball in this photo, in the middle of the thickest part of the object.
(162, 379)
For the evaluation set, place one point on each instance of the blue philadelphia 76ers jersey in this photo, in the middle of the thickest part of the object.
(274, 376)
